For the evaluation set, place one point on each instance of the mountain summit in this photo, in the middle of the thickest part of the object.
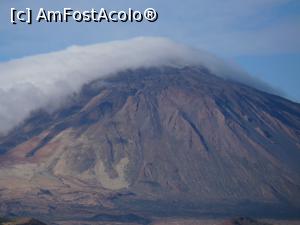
(159, 141)
(44, 81)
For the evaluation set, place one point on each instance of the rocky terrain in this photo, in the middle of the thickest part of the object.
(155, 143)
(20, 221)
(174, 221)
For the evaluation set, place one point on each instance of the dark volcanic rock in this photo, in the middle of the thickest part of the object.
(244, 221)
(128, 218)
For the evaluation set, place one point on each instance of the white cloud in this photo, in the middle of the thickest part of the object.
(37, 81)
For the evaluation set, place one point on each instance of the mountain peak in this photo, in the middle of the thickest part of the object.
(154, 136)
(45, 81)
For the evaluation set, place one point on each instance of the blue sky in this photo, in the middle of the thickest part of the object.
(262, 36)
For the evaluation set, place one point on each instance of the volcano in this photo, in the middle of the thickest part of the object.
(157, 141)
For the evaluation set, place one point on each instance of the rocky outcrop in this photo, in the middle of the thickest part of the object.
(244, 221)
(21, 221)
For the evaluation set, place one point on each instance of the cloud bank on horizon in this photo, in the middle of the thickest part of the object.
(44, 81)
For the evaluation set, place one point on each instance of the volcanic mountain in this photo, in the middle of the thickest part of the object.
(157, 141)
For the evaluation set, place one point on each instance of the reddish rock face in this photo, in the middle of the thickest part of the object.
(160, 141)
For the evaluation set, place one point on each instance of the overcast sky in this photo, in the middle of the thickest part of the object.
(263, 36)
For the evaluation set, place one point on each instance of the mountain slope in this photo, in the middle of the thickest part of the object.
(160, 141)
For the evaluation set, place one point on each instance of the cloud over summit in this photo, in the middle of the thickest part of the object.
(33, 82)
